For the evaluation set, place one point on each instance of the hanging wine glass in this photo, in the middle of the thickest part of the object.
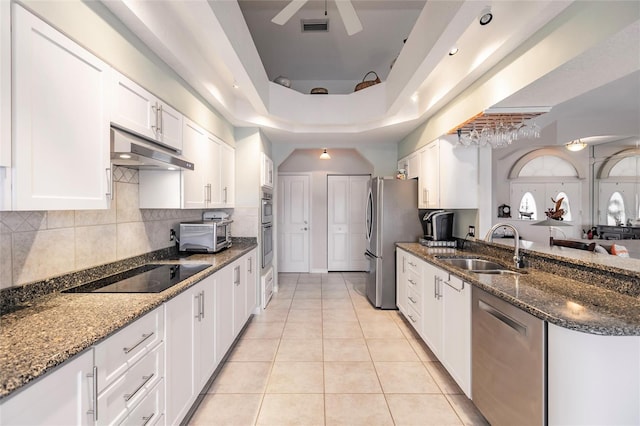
(535, 130)
(486, 135)
(523, 130)
(474, 136)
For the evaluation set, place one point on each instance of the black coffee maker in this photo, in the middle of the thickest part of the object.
(437, 224)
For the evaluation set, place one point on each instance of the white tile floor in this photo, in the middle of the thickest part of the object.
(320, 354)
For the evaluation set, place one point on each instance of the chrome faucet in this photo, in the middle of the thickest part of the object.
(516, 236)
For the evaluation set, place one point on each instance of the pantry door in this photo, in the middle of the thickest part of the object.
(293, 220)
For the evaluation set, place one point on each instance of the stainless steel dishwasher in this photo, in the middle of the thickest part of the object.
(508, 362)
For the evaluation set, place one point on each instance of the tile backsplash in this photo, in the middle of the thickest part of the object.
(35, 245)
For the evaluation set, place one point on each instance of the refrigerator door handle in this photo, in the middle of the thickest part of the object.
(369, 255)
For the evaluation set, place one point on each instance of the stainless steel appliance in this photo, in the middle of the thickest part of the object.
(267, 245)
(266, 210)
(149, 278)
(207, 235)
(390, 217)
(133, 151)
(508, 362)
(437, 225)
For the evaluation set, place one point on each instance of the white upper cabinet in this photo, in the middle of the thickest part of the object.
(61, 113)
(411, 165)
(448, 176)
(266, 175)
(139, 111)
(227, 175)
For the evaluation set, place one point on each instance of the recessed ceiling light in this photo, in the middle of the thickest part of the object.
(125, 156)
(235, 85)
(453, 51)
(171, 168)
(486, 16)
(414, 98)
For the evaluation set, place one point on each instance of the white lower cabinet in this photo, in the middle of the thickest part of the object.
(250, 263)
(190, 346)
(266, 282)
(63, 397)
(438, 306)
(224, 310)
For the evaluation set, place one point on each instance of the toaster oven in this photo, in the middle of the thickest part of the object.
(207, 236)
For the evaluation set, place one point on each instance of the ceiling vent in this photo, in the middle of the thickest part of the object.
(314, 25)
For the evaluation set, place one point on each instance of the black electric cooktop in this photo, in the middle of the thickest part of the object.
(149, 278)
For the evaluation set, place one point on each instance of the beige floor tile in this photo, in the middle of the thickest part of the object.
(271, 315)
(285, 293)
(339, 315)
(306, 304)
(307, 292)
(359, 302)
(337, 304)
(227, 410)
(341, 330)
(467, 412)
(407, 329)
(279, 303)
(422, 350)
(263, 330)
(242, 377)
(368, 314)
(442, 378)
(302, 330)
(291, 410)
(300, 350)
(357, 410)
(422, 410)
(332, 277)
(255, 350)
(334, 286)
(383, 328)
(335, 294)
(405, 377)
(391, 350)
(296, 377)
(305, 315)
(287, 279)
(350, 377)
(346, 350)
(309, 279)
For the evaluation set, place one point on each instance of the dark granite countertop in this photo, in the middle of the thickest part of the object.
(42, 334)
(550, 295)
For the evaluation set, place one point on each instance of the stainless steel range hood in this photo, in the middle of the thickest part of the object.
(130, 150)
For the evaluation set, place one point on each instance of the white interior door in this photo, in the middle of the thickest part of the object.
(294, 223)
(346, 234)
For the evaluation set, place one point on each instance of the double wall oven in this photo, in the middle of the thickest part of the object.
(266, 214)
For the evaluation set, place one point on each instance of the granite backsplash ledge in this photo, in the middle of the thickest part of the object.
(17, 297)
(601, 275)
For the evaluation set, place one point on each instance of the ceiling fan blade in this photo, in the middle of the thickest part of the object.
(288, 11)
(349, 17)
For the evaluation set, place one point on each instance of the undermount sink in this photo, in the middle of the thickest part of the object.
(478, 266)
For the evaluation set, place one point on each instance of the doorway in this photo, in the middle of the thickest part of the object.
(293, 221)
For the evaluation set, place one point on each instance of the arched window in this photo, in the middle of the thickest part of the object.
(527, 208)
(566, 205)
(626, 167)
(615, 210)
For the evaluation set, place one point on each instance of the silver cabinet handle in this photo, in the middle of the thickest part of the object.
(155, 110)
(411, 281)
(202, 304)
(145, 380)
(236, 275)
(411, 318)
(404, 260)
(147, 419)
(109, 183)
(225, 194)
(94, 410)
(502, 317)
(435, 286)
(250, 265)
(144, 337)
(197, 315)
(412, 264)
(161, 120)
(412, 299)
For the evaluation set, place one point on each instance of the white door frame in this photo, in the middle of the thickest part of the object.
(309, 248)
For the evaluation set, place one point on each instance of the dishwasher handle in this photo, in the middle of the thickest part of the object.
(510, 322)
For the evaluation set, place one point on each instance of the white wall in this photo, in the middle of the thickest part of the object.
(307, 161)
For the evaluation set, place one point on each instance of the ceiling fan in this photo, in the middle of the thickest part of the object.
(345, 9)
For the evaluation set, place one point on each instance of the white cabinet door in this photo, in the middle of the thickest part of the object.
(456, 336)
(227, 175)
(266, 175)
(212, 169)
(459, 170)
(224, 324)
(252, 282)
(401, 280)
(429, 196)
(139, 111)
(194, 182)
(61, 109)
(239, 296)
(432, 308)
(204, 332)
(63, 397)
(180, 315)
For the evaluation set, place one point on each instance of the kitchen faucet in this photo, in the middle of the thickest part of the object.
(516, 236)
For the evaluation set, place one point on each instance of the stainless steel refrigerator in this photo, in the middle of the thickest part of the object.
(391, 217)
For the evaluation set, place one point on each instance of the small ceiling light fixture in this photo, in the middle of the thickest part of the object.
(415, 98)
(171, 168)
(325, 155)
(125, 156)
(453, 51)
(235, 85)
(486, 16)
(576, 145)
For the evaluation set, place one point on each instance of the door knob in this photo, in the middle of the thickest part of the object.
(303, 229)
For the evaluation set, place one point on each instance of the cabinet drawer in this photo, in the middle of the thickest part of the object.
(414, 282)
(150, 411)
(128, 390)
(413, 301)
(413, 264)
(116, 354)
(414, 318)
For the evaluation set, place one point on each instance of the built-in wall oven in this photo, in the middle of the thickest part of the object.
(266, 214)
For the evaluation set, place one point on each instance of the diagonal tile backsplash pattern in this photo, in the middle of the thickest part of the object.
(35, 245)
